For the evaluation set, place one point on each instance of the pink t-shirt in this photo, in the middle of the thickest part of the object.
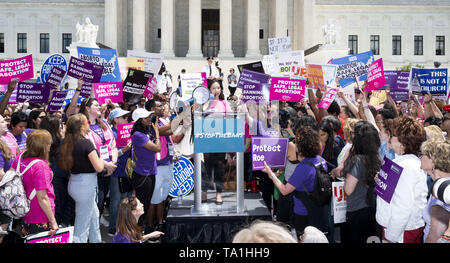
(11, 142)
(219, 106)
(38, 177)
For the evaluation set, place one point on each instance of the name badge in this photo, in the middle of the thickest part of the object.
(104, 153)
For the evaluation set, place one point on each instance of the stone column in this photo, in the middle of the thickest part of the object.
(195, 29)
(253, 29)
(112, 15)
(303, 37)
(167, 27)
(226, 25)
(139, 24)
(281, 18)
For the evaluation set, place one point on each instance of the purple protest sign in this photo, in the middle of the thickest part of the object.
(108, 92)
(64, 235)
(20, 68)
(375, 76)
(397, 81)
(33, 92)
(387, 180)
(328, 99)
(89, 72)
(271, 150)
(55, 78)
(284, 89)
(124, 133)
(57, 100)
(151, 88)
(249, 77)
(258, 93)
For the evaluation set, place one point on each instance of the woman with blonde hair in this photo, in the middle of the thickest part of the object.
(264, 232)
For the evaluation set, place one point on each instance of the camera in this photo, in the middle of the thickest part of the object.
(441, 189)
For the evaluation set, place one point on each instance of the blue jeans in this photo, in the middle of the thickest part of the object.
(115, 196)
(83, 189)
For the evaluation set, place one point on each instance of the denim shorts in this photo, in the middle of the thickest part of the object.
(164, 180)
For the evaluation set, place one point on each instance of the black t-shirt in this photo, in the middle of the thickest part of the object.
(81, 162)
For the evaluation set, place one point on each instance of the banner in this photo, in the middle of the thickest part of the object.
(315, 77)
(55, 78)
(375, 76)
(124, 134)
(278, 45)
(134, 85)
(211, 132)
(339, 202)
(387, 179)
(57, 100)
(434, 81)
(19, 68)
(33, 92)
(108, 92)
(183, 178)
(284, 89)
(328, 99)
(152, 61)
(53, 61)
(271, 150)
(104, 57)
(63, 235)
(351, 66)
(189, 82)
(151, 88)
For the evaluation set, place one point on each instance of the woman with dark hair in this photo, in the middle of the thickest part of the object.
(18, 125)
(34, 119)
(64, 204)
(145, 144)
(330, 141)
(401, 219)
(359, 171)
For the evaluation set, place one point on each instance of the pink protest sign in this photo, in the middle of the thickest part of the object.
(284, 89)
(151, 88)
(108, 92)
(328, 99)
(20, 68)
(64, 235)
(205, 82)
(375, 76)
(124, 133)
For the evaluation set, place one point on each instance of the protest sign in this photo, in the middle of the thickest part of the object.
(328, 99)
(329, 74)
(151, 88)
(189, 82)
(104, 57)
(19, 68)
(284, 89)
(55, 78)
(256, 93)
(53, 61)
(183, 178)
(387, 179)
(252, 77)
(339, 202)
(33, 92)
(126, 63)
(211, 132)
(315, 77)
(57, 100)
(287, 64)
(108, 92)
(434, 81)
(152, 61)
(254, 66)
(124, 134)
(353, 66)
(63, 235)
(278, 45)
(397, 82)
(271, 150)
(134, 85)
(80, 69)
(375, 76)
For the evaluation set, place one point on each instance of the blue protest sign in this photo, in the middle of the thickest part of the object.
(105, 57)
(183, 178)
(219, 135)
(55, 60)
(434, 81)
(351, 66)
(70, 93)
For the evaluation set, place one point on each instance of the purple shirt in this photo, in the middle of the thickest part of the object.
(146, 161)
(119, 238)
(3, 163)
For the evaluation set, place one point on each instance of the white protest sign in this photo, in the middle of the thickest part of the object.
(279, 45)
(153, 61)
(339, 202)
(286, 64)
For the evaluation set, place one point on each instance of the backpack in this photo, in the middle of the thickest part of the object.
(13, 199)
(321, 194)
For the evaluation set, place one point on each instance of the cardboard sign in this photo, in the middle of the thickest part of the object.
(108, 92)
(211, 132)
(124, 134)
(387, 179)
(57, 100)
(271, 150)
(19, 68)
(33, 92)
(339, 202)
(328, 99)
(434, 81)
(375, 77)
(183, 178)
(53, 61)
(63, 235)
(104, 57)
(315, 77)
(353, 66)
(284, 89)
(278, 45)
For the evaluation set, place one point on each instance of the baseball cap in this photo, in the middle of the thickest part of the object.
(140, 113)
(117, 112)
